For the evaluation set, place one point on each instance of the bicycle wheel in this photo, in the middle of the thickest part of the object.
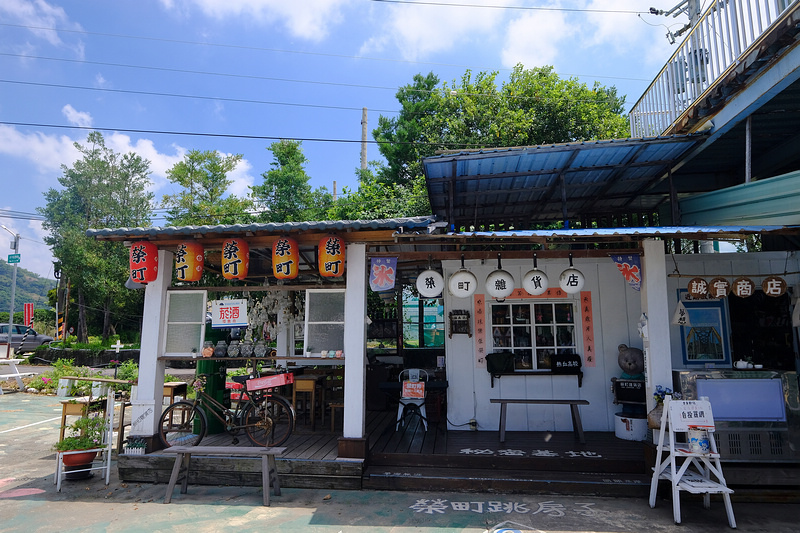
(269, 422)
(182, 424)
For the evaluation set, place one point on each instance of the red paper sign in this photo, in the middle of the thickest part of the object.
(413, 389)
(267, 382)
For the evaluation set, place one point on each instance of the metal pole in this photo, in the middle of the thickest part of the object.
(15, 247)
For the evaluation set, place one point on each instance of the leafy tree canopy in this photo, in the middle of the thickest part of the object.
(535, 106)
(203, 177)
(285, 194)
(102, 189)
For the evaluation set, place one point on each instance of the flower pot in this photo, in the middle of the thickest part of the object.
(78, 459)
(654, 417)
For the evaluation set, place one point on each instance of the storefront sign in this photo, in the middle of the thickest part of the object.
(743, 287)
(535, 282)
(773, 286)
(719, 288)
(382, 273)
(144, 262)
(235, 259)
(413, 389)
(698, 288)
(228, 313)
(462, 283)
(285, 258)
(630, 266)
(331, 257)
(189, 260)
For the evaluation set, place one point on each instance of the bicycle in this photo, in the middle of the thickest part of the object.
(267, 418)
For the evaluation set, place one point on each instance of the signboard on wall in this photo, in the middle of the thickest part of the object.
(228, 313)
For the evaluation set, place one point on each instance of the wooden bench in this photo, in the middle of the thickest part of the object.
(15, 373)
(269, 472)
(577, 427)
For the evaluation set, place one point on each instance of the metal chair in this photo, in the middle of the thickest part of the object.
(412, 396)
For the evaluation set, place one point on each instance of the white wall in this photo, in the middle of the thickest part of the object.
(617, 309)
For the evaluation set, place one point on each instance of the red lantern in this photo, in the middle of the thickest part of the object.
(285, 258)
(331, 257)
(235, 259)
(189, 261)
(144, 262)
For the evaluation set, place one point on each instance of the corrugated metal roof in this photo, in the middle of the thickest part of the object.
(397, 224)
(643, 232)
(523, 186)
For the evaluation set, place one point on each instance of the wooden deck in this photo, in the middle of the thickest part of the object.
(414, 459)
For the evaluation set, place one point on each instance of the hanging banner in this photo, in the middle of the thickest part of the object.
(587, 325)
(144, 262)
(228, 313)
(285, 258)
(630, 266)
(331, 257)
(189, 260)
(681, 316)
(382, 273)
(235, 259)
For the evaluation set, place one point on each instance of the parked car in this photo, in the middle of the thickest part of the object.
(32, 341)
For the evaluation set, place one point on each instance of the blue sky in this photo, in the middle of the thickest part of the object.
(270, 68)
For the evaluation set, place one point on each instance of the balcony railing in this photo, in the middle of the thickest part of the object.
(726, 31)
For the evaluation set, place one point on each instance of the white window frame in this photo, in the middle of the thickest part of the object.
(201, 321)
(307, 340)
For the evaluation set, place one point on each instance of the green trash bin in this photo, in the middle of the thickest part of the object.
(215, 387)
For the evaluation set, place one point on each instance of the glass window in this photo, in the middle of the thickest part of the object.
(533, 332)
(186, 322)
(423, 321)
(324, 321)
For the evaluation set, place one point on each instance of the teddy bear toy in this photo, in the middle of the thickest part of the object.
(631, 361)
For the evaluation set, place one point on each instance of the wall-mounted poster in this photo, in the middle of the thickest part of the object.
(706, 339)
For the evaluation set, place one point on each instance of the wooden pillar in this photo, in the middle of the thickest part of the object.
(146, 407)
(655, 306)
(353, 443)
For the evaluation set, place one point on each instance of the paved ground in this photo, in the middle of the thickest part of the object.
(29, 502)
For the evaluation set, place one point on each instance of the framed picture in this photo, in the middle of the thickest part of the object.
(706, 339)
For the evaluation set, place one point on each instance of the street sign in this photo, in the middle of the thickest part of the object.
(13, 258)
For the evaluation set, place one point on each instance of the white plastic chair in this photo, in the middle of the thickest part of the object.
(412, 405)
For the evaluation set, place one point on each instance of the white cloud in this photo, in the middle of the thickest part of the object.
(536, 39)
(41, 19)
(418, 31)
(308, 19)
(46, 152)
(75, 117)
(242, 179)
(159, 162)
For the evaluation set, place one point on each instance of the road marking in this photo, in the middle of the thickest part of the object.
(29, 425)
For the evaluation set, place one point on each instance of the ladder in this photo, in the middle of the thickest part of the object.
(693, 467)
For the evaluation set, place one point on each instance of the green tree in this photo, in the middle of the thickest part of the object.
(203, 200)
(285, 194)
(535, 106)
(101, 190)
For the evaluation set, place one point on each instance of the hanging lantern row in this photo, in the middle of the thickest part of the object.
(190, 259)
(743, 287)
(499, 284)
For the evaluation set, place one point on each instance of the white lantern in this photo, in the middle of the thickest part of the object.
(500, 283)
(462, 284)
(430, 284)
(571, 280)
(535, 282)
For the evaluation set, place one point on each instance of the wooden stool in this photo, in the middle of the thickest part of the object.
(309, 384)
(334, 407)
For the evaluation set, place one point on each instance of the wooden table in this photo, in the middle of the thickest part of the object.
(175, 388)
(577, 427)
(15, 373)
(309, 383)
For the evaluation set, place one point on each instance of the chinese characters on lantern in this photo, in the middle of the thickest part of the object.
(235, 259)
(189, 261)
(331, 257)
(285, 258)
(144, 262)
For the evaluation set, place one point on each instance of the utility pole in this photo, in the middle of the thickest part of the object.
(15, 247)
(363, 138)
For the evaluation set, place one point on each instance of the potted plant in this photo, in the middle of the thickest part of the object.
(86, 433)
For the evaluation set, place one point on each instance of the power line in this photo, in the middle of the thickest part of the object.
(189, 96)
(231, 135)
(521, 8)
